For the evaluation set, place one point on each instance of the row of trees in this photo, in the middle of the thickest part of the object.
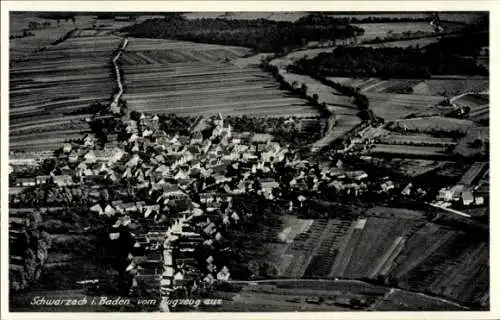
(260, 34)
(32, 246)
(283, 130)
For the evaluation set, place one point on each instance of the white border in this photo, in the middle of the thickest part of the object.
(152, 6)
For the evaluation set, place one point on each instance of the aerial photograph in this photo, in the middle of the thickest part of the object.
(248, 161)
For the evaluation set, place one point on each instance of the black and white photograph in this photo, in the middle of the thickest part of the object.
(247, 161)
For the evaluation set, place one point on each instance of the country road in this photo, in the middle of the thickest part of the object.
(117, 96)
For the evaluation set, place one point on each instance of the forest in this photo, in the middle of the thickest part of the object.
(260, 34)
(439, 59)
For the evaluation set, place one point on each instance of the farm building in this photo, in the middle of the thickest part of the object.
(467, 198)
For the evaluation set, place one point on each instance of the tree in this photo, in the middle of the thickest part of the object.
(33, 25)
(362, 102)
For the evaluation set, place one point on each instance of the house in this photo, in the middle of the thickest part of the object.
(114, 235)
(63, 180)
(479, 200)
(150, 209)
(359, 175)
(94, 179)
(261, 138)
(66, 170)
(88, 141)
(134, 161)
(268, 184)
(407, 190)
(220, 178)
(90, 157)
(25, 182)
(387, 186)
(96, 208)
(210, 228)
(467, 198)
(211, 267)
(109, 210)
(235, 216)
(42, 179)
(223, 274)
(113, 154)
(445, 194)
(67, 148)
(209, 279)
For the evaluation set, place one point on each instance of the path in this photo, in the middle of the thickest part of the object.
(116, 97)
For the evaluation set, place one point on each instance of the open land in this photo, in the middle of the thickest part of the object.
(202, 73)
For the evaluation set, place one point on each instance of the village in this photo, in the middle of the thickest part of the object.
(173, 194)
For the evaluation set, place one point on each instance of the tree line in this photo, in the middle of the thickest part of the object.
(260, 34)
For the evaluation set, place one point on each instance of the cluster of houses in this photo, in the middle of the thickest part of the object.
(458, 193)
(184, 188)
(467, 191)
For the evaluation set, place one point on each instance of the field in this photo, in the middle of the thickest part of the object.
(381, 30)
(403, 249)
(444, 262)
(410, 151)
(42, 37)
(163, 76)
(432, 124)
(394, 99)
(473, 173)
(425, 87)
(336, 248)
(378, 240)
(51, 84)
(406, 167)
(397, 106)
(416, 139)
(449, 87)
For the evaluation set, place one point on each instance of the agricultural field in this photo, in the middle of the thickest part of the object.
(378, 240)
(473, 173)
(450, 87)
(410, 151)
(415, 139)
(50, 85)
(443, 262)
(432, 124)
(420, 42)
(47, 32)
(406, 167)
(335, 248)
(381, 30)
(163, 76)
(403, 249)
(393, 99)
(396, 106)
